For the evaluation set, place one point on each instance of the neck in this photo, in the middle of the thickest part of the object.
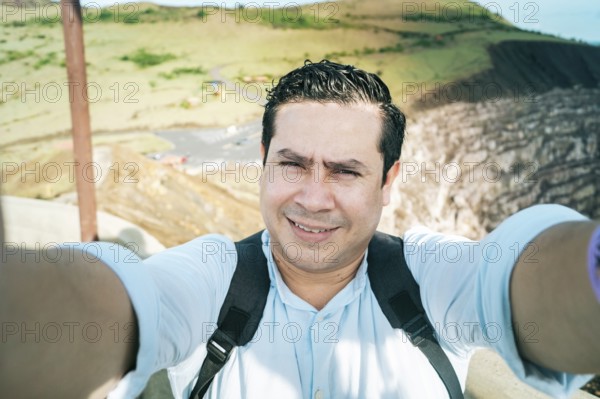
(317, 287)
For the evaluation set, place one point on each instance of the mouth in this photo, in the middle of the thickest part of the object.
(311, 233)
(311, 230)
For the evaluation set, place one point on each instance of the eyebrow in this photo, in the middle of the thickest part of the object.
(352, 164)
(294, 156)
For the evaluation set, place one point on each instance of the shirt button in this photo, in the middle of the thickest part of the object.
(318, 394)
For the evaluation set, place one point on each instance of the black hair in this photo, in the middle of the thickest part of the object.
(328, 81)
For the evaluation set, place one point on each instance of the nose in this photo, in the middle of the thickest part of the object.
(315, 194)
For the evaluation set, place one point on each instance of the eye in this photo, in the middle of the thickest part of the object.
(290, 164)
(347, 172)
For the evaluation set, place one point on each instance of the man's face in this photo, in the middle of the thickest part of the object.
(321, 195)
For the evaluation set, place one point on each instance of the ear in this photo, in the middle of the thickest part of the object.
(262, 151)
(389, 180)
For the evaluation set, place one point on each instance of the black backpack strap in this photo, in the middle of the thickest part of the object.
(399, 298)
(241, 311)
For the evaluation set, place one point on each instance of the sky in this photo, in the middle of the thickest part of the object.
(573, 19)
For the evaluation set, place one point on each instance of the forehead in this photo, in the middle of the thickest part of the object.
(328, 129)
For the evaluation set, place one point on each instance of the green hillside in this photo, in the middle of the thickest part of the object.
(152, 67)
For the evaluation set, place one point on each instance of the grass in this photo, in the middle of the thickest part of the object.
(150, 61)
(49, 58)
(177, 72)
(15, 55)
(144, 59)
(365, 51)
(314, 16)
(111, 14)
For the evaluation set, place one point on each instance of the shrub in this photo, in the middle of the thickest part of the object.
(142, 58)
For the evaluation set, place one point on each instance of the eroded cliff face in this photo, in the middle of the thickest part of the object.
(467, 166)
(524, 132)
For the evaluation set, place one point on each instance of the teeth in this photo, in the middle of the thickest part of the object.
(309, 230)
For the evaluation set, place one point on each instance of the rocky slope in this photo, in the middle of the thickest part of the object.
(466, 166)
(176, 207)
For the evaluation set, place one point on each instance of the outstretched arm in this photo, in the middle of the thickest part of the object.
(552, 289)
(67, 327)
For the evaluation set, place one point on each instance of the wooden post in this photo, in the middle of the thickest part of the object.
(80, 117)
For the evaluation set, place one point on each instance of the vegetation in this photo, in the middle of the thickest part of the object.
(314, 16)
(150, 61)
(15, 55)
(365, 51)
(175, 73)
(143, 58)
(47, 59)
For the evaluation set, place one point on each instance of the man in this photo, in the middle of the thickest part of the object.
(331, 144)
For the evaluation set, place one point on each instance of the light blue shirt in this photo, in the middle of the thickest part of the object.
(347, 349)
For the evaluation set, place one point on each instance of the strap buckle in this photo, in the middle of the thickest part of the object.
(219, 346)
(415, 327)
